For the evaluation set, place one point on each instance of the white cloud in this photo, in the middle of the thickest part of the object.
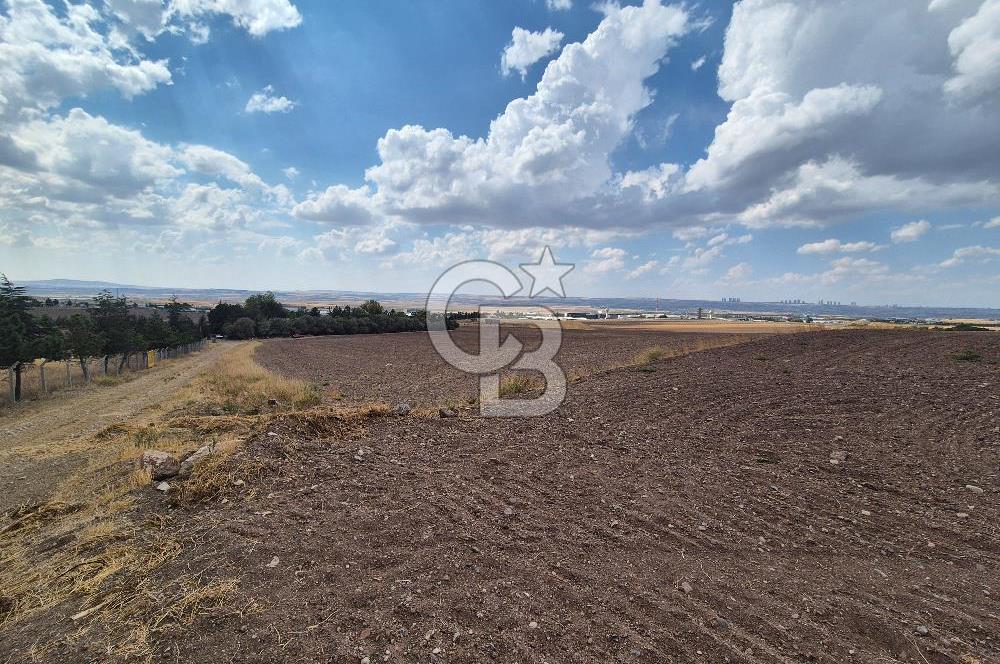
(975, 46)
(45, 58)
(797, 104)
(258, 17)
(374, 244)
(84, 151)
(978, 252)
(698, 64)
(559, 5)
(993, 223)
(771, 122)
(266, 101)
(545, 151)
(738, 274)
(645, 268)
(817, 193)
(655, 183)
(910, 232)
(833, 246)
(607, 259)
(338, 205)
(216, 163)
(290, 172)
(526, 48)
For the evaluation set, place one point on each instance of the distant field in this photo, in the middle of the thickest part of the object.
(701, 326)
(405, 367)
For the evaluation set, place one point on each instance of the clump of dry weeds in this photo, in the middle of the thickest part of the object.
(517, 384)
(93, 550)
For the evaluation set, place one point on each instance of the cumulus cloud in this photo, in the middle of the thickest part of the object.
(150, 18)
(338, 205)
(606, 259)
(545, 151)
(976, 253)
(46, 58)
(266, 101)
(87, 156)
(526, 48)
(559, 5)
(975, 47)
(833, 246)
(698, 64)
(993, 223)
(738, 274)
(643, 269)
(290, 172)
(910, 232)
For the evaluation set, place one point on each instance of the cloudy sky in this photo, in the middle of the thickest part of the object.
(770, 149)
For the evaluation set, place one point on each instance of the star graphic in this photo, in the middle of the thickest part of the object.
(547, 274)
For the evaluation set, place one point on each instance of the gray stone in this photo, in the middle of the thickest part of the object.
(203, 452)
(448, 412)
(973, 488)
(838, 457)
(163, 486)
(723, 624)
(922, 630)
(686, 587)
(161, 465)
(401, 409)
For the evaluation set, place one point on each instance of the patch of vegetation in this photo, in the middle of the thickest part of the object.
(761, 358)
(512, 386)
(968, 355)
(647, 369)
(240, 386)
(967, 327)
(649, 356)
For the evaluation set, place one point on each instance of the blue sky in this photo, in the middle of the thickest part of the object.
(846, 151)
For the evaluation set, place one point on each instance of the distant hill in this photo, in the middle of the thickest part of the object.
(79, 289)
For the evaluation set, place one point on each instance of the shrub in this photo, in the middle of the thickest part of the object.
(968, 355)
(648, 356)
(243, 328)
(517, 384)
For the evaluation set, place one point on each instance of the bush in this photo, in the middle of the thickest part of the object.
(968, 356)
(243, 328)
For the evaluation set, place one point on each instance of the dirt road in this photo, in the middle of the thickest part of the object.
(43, 441)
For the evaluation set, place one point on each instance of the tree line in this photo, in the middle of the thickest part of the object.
(107, 329)
(261, 315)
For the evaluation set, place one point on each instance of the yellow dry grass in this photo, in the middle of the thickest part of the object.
(516, 384)
(90, 552)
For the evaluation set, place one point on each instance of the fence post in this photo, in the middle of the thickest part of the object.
(41, 376)
(10, 380)
(69, 372)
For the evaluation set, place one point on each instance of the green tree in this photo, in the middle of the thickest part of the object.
(18, 330)
(261, 306)
(373, 308)
(243, 328)
(83, 340)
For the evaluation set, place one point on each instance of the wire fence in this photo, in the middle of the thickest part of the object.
(43, 377)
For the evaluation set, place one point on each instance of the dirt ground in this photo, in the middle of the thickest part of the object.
(394, 368)
(688, 513)
(43, 441)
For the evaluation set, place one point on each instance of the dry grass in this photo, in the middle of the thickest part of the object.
(240, 386)
(517, 384)
(648, 356)
(94, 551)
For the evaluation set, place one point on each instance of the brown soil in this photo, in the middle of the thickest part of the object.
(394, 368)
(686, 514)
